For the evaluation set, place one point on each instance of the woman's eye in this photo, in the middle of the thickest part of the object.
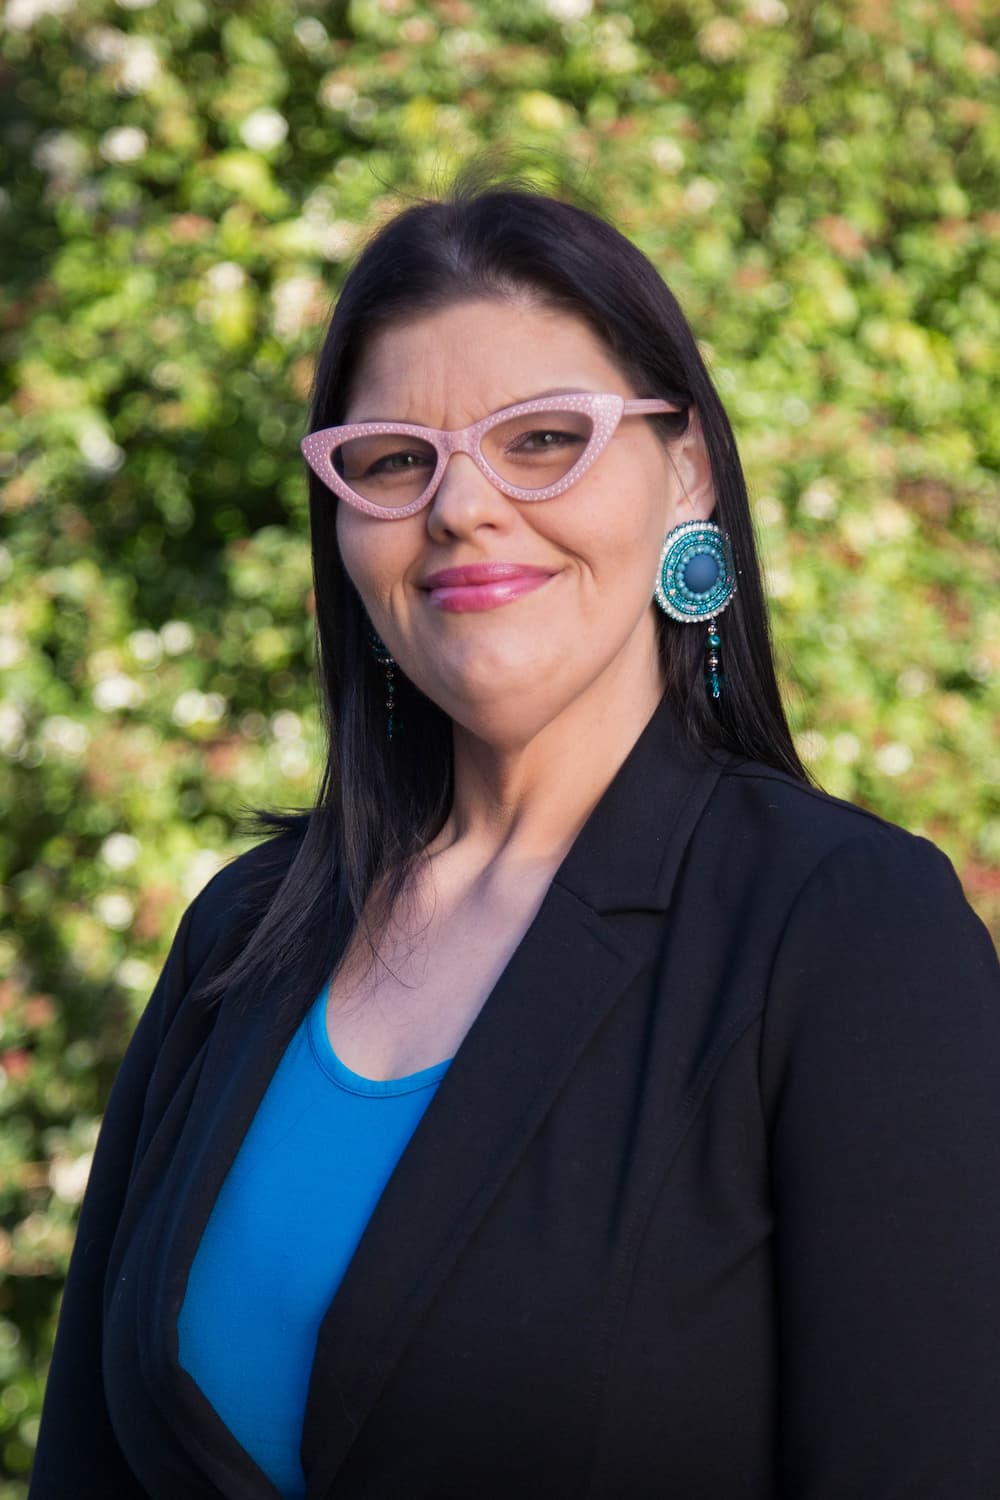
(397, 463)
(545, 438)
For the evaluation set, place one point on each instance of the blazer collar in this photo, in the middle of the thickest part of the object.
(629, 851)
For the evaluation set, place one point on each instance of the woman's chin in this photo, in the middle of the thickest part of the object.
(508, 705)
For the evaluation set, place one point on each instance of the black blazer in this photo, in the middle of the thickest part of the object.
(707, 1206)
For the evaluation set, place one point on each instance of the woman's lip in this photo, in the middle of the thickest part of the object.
(480, 573)
(462, 598)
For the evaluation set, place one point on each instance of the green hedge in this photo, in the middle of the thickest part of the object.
(184, 185)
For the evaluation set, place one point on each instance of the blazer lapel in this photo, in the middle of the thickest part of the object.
(562, 980)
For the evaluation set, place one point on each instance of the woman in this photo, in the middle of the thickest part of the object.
(576, 1102)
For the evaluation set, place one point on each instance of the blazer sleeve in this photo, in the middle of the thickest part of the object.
(77, 1456)
(880, 1071)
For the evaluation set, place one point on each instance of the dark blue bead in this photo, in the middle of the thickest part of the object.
(701, 573)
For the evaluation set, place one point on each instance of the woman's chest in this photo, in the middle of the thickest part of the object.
(594, 1308)
(409, 1005)
(574, 1248)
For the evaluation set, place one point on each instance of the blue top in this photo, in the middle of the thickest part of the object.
(321, 1148)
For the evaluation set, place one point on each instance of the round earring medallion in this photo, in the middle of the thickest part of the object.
(696, 578)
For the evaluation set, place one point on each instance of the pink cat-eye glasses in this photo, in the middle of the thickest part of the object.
(392, 469)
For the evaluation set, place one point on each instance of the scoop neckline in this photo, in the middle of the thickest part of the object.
(356, 1083)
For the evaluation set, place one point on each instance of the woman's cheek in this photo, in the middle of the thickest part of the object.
(367, 559)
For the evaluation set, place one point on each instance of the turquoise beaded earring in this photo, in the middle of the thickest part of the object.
(386, 660)
(695, 582)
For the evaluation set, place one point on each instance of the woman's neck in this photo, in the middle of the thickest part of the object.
(523, 803)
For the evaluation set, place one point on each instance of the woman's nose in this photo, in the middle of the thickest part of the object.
(465, 499)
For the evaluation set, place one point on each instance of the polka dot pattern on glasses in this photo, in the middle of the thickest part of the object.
(604, 410)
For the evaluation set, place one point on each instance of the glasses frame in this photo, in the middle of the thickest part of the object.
(606, 410)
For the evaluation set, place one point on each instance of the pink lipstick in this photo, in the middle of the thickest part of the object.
(480, 586)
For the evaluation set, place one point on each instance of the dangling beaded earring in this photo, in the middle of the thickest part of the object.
(695, 581)
(384, 659)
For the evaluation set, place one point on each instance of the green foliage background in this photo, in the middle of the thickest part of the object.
(184, 185)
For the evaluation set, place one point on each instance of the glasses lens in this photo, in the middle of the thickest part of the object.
(537, 449)
(389, 469)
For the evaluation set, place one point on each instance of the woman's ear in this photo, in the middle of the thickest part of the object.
(689, 456)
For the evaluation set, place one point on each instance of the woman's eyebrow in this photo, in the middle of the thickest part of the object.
(558, 390)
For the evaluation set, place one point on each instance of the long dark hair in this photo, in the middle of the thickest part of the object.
(380, 802)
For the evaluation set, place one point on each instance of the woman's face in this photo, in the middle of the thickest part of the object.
(506, 670)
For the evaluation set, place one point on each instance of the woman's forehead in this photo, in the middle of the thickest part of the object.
(451, 367)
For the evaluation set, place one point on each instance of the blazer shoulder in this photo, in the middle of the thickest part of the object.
(803, 825)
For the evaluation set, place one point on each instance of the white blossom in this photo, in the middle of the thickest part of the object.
(310, 32)
(795, 410)
(666, 154)
(913, 682)
(68, 735)
(61, 154)
(768, 12)
(135, 974)
(11, 650)
(700, 195)
(12, 725)
(819, 500)
(194, 707)
(569, 10)
(264, 129)
(778, 582)
(21, 15)
(769, 510)
(334, 94)
(286, 725)
(136, 57)
(101, 451)
(811, 744)
(120, 850)
(201, 867)
(292, 299)
(894, 759)
(293, 761)
(226, 276)
(115, 910)
(146, 646)
(68, 1178)
(117, 690)
(846, 748)
(123, 143)
(337, 240)
(177, 637)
